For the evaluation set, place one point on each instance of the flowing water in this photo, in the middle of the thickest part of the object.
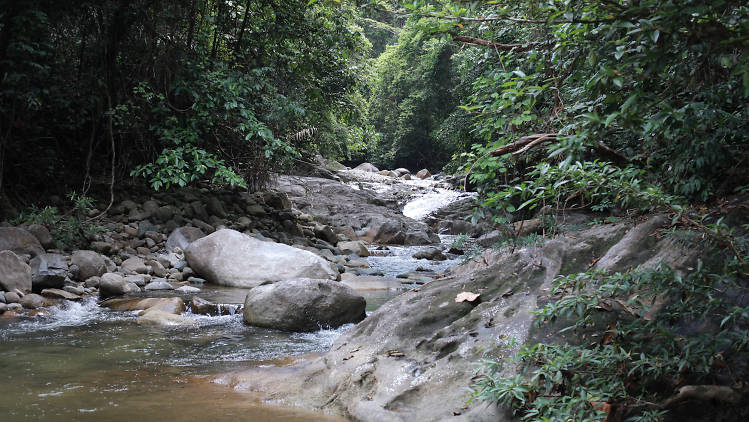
(84, 362)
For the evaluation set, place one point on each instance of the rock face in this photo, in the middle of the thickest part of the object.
(19, 241)
(89, 264)
(230, 258)
(358, 214)
(182, 237)
(14, 273)
(48, 271)
(437, 341)
(303, 305)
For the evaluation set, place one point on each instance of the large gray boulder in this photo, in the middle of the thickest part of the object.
(48, 271)
(368, 167)
(19, 241)
(89, 264)
(14, 273)
(182, 237)
(303, 305)
(230, 258)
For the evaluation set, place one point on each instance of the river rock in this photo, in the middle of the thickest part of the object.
(19, 241)
(14, 273)
(89, 264)
(201, 306)
(159, 318)
(230, 258)
(172, 305)
(32, 301)
(158, 284)
(433, 254)
(303, 305)
(42, 234)
(423, 174)
(12, 297)
(368, 167)
(187, 289)
(60, 294)
(182, 237)
(368, 283)
(135, 265)
(112, 284)
(48, 271)
(402, 171)
(277, 200)
(355, 247)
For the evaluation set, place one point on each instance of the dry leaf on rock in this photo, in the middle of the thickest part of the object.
(466, 297)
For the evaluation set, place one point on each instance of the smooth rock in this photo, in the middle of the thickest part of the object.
(182, 237)
(60, 294)
(89, 264)
(14, 273)
(76, 290)
(12, 297)
(42, 234)
(368, 283)
(159, 318)
(433, 254)
(368, 167)
(137, 279)
(303, 305)
(172, 305)
(32, 301)
(356, 247)
(48, 271)
(187, 289)
(115, 285)
(231, 258)
(158, 284)
(19, 241)
(423, 174)
(135, 264)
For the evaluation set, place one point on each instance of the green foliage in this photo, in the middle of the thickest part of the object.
(672, 326)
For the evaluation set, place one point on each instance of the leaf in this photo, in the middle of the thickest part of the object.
(466, 297)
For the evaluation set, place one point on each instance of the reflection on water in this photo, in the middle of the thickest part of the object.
(83, 362)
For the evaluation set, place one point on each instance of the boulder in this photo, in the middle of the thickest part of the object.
(303, 305)
(182, 237)
(402, 171)
(89, 264)
(356, 247)
(33, 301)
(172, 305)
(48, 271)
(433, 254)
(423, 174)
(277, 200)
(60, 294)
(112, 284)
(230, 258)
(369, 168)
(201, 306)
(42, 235)
(134, 265)
(159, 318)
(14, 273)
(19, 241)
(158, 284)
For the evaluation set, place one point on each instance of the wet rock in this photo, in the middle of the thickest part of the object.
(76, 290)
(42, 234)
(303, 305)
(3, 307)
(231, 258)
(204, 307)
(182, 237)
(89, 264)
(433, 254)
(115, 285)
(14, 273)
(369, 168)
(32, 301)
(356, 247)
(48, 271)
(159, 318)
(19, 241)
(187, 289)
(60, 294)
(158, 284)
(172, 305)
(423, 174)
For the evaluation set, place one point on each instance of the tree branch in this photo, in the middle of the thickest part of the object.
(498, 46)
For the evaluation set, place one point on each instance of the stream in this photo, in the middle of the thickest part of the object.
(84, 362)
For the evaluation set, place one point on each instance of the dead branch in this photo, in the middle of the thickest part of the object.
(704, 393)
(498, 46)
(524, 144)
